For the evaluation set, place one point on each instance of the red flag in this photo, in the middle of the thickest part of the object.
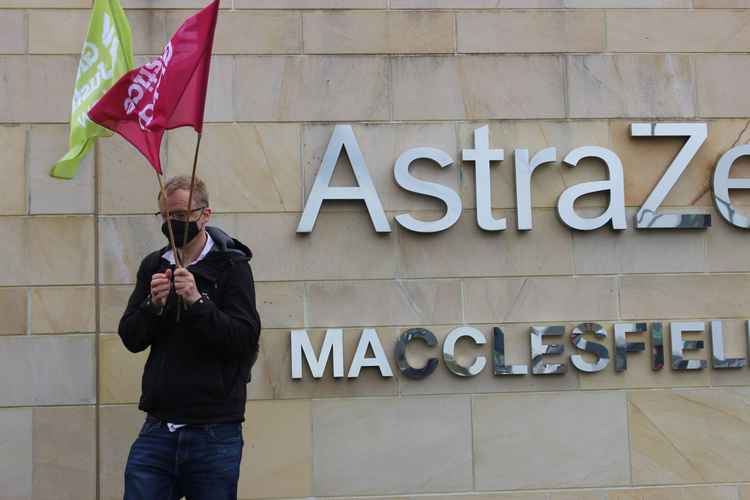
(166, 93)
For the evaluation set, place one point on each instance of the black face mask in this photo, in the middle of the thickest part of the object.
(178, 227)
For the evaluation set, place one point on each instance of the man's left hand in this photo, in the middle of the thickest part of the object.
(184, 285)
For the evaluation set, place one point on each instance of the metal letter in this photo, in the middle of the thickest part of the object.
(598, 350)
(332, 343)
(657, 346)
(615, 212)
(449, 350)
(482, 155)
(723, 183)
(498, 356)
(539, 350)
(400, 353)
(648, 216)
(343, 138)
(718, 358)
(679, 346)
(622, 346)
(410, 183)
(369, 338)
(524, 169)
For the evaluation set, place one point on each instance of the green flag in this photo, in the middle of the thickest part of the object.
(107, 55)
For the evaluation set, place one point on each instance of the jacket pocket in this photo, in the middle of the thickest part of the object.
(225, 433)
(149, 426)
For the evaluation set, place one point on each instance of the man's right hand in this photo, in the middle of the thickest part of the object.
(161, 284)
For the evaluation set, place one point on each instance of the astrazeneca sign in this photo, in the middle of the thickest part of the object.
(589, 355)
(648, 216)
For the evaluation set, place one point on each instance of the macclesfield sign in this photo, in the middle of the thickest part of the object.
(648, 216)
(628, 341)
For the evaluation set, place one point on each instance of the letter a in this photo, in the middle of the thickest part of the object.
(343, 138)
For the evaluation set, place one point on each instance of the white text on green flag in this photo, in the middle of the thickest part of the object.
(107, 55)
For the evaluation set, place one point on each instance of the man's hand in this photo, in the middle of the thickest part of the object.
(161, 283)
(184, 285)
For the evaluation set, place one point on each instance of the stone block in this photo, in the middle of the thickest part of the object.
(14, 311)
(126, 182)
(13, 29)
(47, 370)
(725, 245)
(634, 251)
(525, 423)
(383, 302)
(677, 31)
(16, 450)
(311, 4)
(311, 88)
(47, 194)
(112, 303)
(379, 32)
(630, 85)
(241, 32)
(63, 309)
(432, 437)
(466, 250)
(342, 246)
(124, 242)
(31, 259)
(683, 297)
(278, 455)
(671, 441)
(64, 452)
(539, 299)
(477, 87)
(64, 31)
(41, 87)
(13, 144)
(717, 78)
(222, 84)
(529, 31)
(281, 305)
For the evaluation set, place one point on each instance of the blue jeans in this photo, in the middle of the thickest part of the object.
(198, 462)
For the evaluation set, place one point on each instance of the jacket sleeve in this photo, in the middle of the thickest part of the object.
(138, 325)
(234, 329)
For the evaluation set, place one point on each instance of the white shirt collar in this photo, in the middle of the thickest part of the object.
(169, 256)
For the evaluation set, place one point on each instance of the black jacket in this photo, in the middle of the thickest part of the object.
(198, 368)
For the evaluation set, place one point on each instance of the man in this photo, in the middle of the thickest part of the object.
(202, 326)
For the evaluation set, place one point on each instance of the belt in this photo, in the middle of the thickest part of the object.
(152, 419)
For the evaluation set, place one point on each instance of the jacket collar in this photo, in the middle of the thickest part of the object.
(225, 251)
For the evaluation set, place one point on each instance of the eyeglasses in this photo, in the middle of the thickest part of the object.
(180, 215)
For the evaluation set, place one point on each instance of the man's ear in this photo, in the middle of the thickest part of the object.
(206, 215)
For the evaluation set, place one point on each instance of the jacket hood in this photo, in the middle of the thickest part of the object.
(225, 243)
